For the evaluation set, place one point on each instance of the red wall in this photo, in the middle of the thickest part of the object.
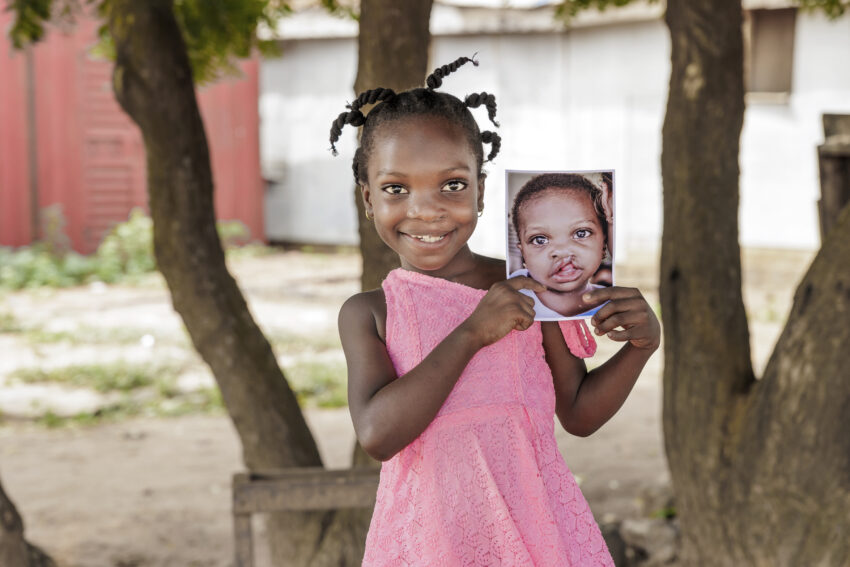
(90, 157)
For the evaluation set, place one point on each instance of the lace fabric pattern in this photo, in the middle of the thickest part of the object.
(484, 484)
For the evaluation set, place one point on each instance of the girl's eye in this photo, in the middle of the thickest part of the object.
(454, 186)
(582, 233)
(394, 189)
(539, 240)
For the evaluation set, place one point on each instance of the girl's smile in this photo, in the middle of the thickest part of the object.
(425, 192)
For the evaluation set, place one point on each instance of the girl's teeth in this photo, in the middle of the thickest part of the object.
(429, 238)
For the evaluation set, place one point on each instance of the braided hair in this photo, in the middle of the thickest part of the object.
(568, 181)
(391, 106)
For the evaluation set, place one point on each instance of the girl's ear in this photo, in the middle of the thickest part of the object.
(366, 194)
(481, 179)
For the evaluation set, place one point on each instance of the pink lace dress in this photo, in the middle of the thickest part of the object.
(484, 484)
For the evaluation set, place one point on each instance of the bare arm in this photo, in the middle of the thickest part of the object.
(586, 400)
(390, 412)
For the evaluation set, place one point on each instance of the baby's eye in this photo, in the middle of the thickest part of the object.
(539, 240)
(394, 189)
(454, 186)
(583, 233)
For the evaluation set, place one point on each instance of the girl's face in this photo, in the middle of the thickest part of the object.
(560, 238)
(424, 192)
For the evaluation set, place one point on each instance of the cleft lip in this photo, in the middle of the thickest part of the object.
(563, 263)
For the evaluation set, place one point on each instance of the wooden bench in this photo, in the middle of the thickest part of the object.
(295, 489)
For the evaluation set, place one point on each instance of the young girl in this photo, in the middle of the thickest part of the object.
(450, 381)
(562, 234)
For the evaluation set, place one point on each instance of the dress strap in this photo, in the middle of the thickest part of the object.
(578, 338)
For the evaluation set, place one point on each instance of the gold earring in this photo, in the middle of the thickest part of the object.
(368, 216)
(480, 212)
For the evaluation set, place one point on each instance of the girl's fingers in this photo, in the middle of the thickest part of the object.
(611, 293)
(524, 282)
(625, 335)
(625, 319)
(618, 306)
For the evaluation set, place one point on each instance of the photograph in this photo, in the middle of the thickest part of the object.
(560, 233)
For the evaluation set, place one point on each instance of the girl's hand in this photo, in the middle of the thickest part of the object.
(502, 310)
(626, 308)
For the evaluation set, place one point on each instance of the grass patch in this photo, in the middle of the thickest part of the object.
(88, 335)
(150, 390)
(666, 513)
(290, 343)
(114, 377)
(205, 401)
(319, 384)
(9, 323)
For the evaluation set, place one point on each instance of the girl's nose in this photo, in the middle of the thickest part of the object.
(561, 250)
(424, 207)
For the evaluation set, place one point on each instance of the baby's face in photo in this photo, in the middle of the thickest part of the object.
(561, 238)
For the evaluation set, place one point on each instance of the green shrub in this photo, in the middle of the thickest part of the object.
(125, 253)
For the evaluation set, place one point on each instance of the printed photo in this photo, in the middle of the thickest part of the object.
(560, 227)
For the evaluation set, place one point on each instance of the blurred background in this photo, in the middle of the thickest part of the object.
(115, 444)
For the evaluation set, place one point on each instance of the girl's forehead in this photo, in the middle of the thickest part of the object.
(557, 206)
(418, 127)
(419, 137)
(558, 197)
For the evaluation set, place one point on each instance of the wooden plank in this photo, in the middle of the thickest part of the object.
(243, 540)
(295, 489)
(834, 170)
(304, 489)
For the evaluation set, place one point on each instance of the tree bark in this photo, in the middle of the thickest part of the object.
(392, 53)
(153, 83)
(393, 44)
(15, 551)
(761, 468)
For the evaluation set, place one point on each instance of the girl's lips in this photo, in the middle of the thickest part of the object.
(566, 273)
(427, 240)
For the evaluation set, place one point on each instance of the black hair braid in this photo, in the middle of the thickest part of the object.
(435, 79)
(371, 97)
(488, 100)
(495, 142)
(354, 116)
(391, 108)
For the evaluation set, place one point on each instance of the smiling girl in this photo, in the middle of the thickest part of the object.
(451, 382)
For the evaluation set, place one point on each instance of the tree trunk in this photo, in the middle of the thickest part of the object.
(15, 551)
(392, 53)
(761, 468)
(153, 83)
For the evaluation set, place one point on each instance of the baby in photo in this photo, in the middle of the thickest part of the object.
(561, 224)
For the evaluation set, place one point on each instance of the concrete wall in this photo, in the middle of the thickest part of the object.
(592, 98)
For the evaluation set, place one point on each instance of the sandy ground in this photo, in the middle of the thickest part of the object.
(156, 491)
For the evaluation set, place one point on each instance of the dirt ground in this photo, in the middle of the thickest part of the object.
(156, 492)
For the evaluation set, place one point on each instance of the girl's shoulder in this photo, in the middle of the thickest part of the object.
(364, 312)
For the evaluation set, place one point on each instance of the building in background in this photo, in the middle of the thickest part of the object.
(65, 142)
(589, 97)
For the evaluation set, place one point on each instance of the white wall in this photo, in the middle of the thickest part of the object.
(592, 98)
(779, 169)
(302, 92)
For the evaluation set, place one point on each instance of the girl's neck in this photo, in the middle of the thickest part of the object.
(463, 268)
(568, 303)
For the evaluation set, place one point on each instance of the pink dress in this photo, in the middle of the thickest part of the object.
(484, 484)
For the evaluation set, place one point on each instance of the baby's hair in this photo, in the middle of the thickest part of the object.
(391, 106)
(570, 181)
